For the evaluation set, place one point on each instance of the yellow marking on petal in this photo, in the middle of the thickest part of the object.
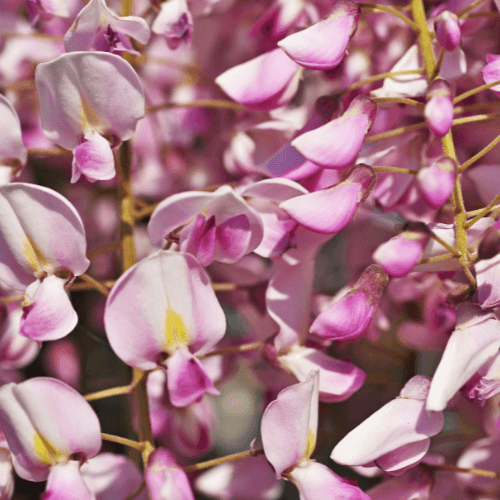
(46, 451)
(176, 335)
(36, 260)
(89, 118)
(311, 443)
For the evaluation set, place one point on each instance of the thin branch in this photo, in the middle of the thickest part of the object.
(399, 100)
(117, 391)
(234, 350)
(479, 155)
(485, 210)
(222, 460)
(96, 284)
(443, 243)
(391, 10)
(475, 118)
(473, 213)
(382, 76)
(50, 152)
(437, 258)
(81, 287)
(473, 107)
(396, 170)
(100, 251)
(126, 442)
(202, 103)
(396, 131)
(475, 472)
(467, 9)
(486, 86)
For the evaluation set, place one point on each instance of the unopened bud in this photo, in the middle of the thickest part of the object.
(436, 182)
(439, 108)
(490, 244)
(448, 32)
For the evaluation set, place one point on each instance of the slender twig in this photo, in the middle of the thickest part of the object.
(382, 76)
(399, 100)
(495, 15)
(202, 103)
(486, 86)
(391, 10)
(467, 9)
(472, 107)
(475, 118)
(234, 350)
(116, 391)
(126, 442)
(443, 243)
(437, 68)
(437, 258)
(100, 251)
(12, 298)
(222, 460)
(485, 210)
(396, 131)
(49, 152)
(94, 283)
(475, 472)
(49, 36)
(473, 213)
(479, 155)
(81, 287)
(396, 170)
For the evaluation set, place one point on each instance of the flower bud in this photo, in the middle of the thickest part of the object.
(350, 316)
(436, 182)
(447, 26)
(174, 22)
(315, 48)
(399, 255)
(490, 243)
(349, 132)
(341, 201)
(439, 108)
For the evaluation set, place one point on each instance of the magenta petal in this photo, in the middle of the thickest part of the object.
(348, 132)
(488, 282)
(345, 319)
(315, 48)
(94, 159)
(266, 82)
(436, 182)
(326, 211)
(416, 484)
(48, 313)
(491, 72)
(165, 479)
(200, 239)
(187, 380)
(399, 255)
(233, 239)
(448, 31)
(289, 425)
(66, 483)
(317, 482)
(248, 479)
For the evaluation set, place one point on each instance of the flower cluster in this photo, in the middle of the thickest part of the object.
(221, 214)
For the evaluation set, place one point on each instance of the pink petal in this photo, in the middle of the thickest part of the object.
(491, 72)
(165, 479)
(415, 484)
(40, 232)
(400, 422)
(94, 159)
(475, 341)
(233, 239)
(174, 22)
(488, 282)
(248, 479)
(439, 108)
(66, 483)
(448, 31)
(76, 98)
(112, 477)
(399, 255)
(164, 302)
(289, 425)
(45, 420)
(349, 132)
(12, 150)
(396, 462)
(315, 47)
(95, 16)
(318, 482)
(436, 182)
(48, 313)
(265, 82)
(187, 380)
(338, 379)
(199, 239)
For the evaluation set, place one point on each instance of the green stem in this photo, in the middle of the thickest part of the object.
(222, 460)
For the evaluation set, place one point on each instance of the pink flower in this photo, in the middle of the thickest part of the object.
(397, 436)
